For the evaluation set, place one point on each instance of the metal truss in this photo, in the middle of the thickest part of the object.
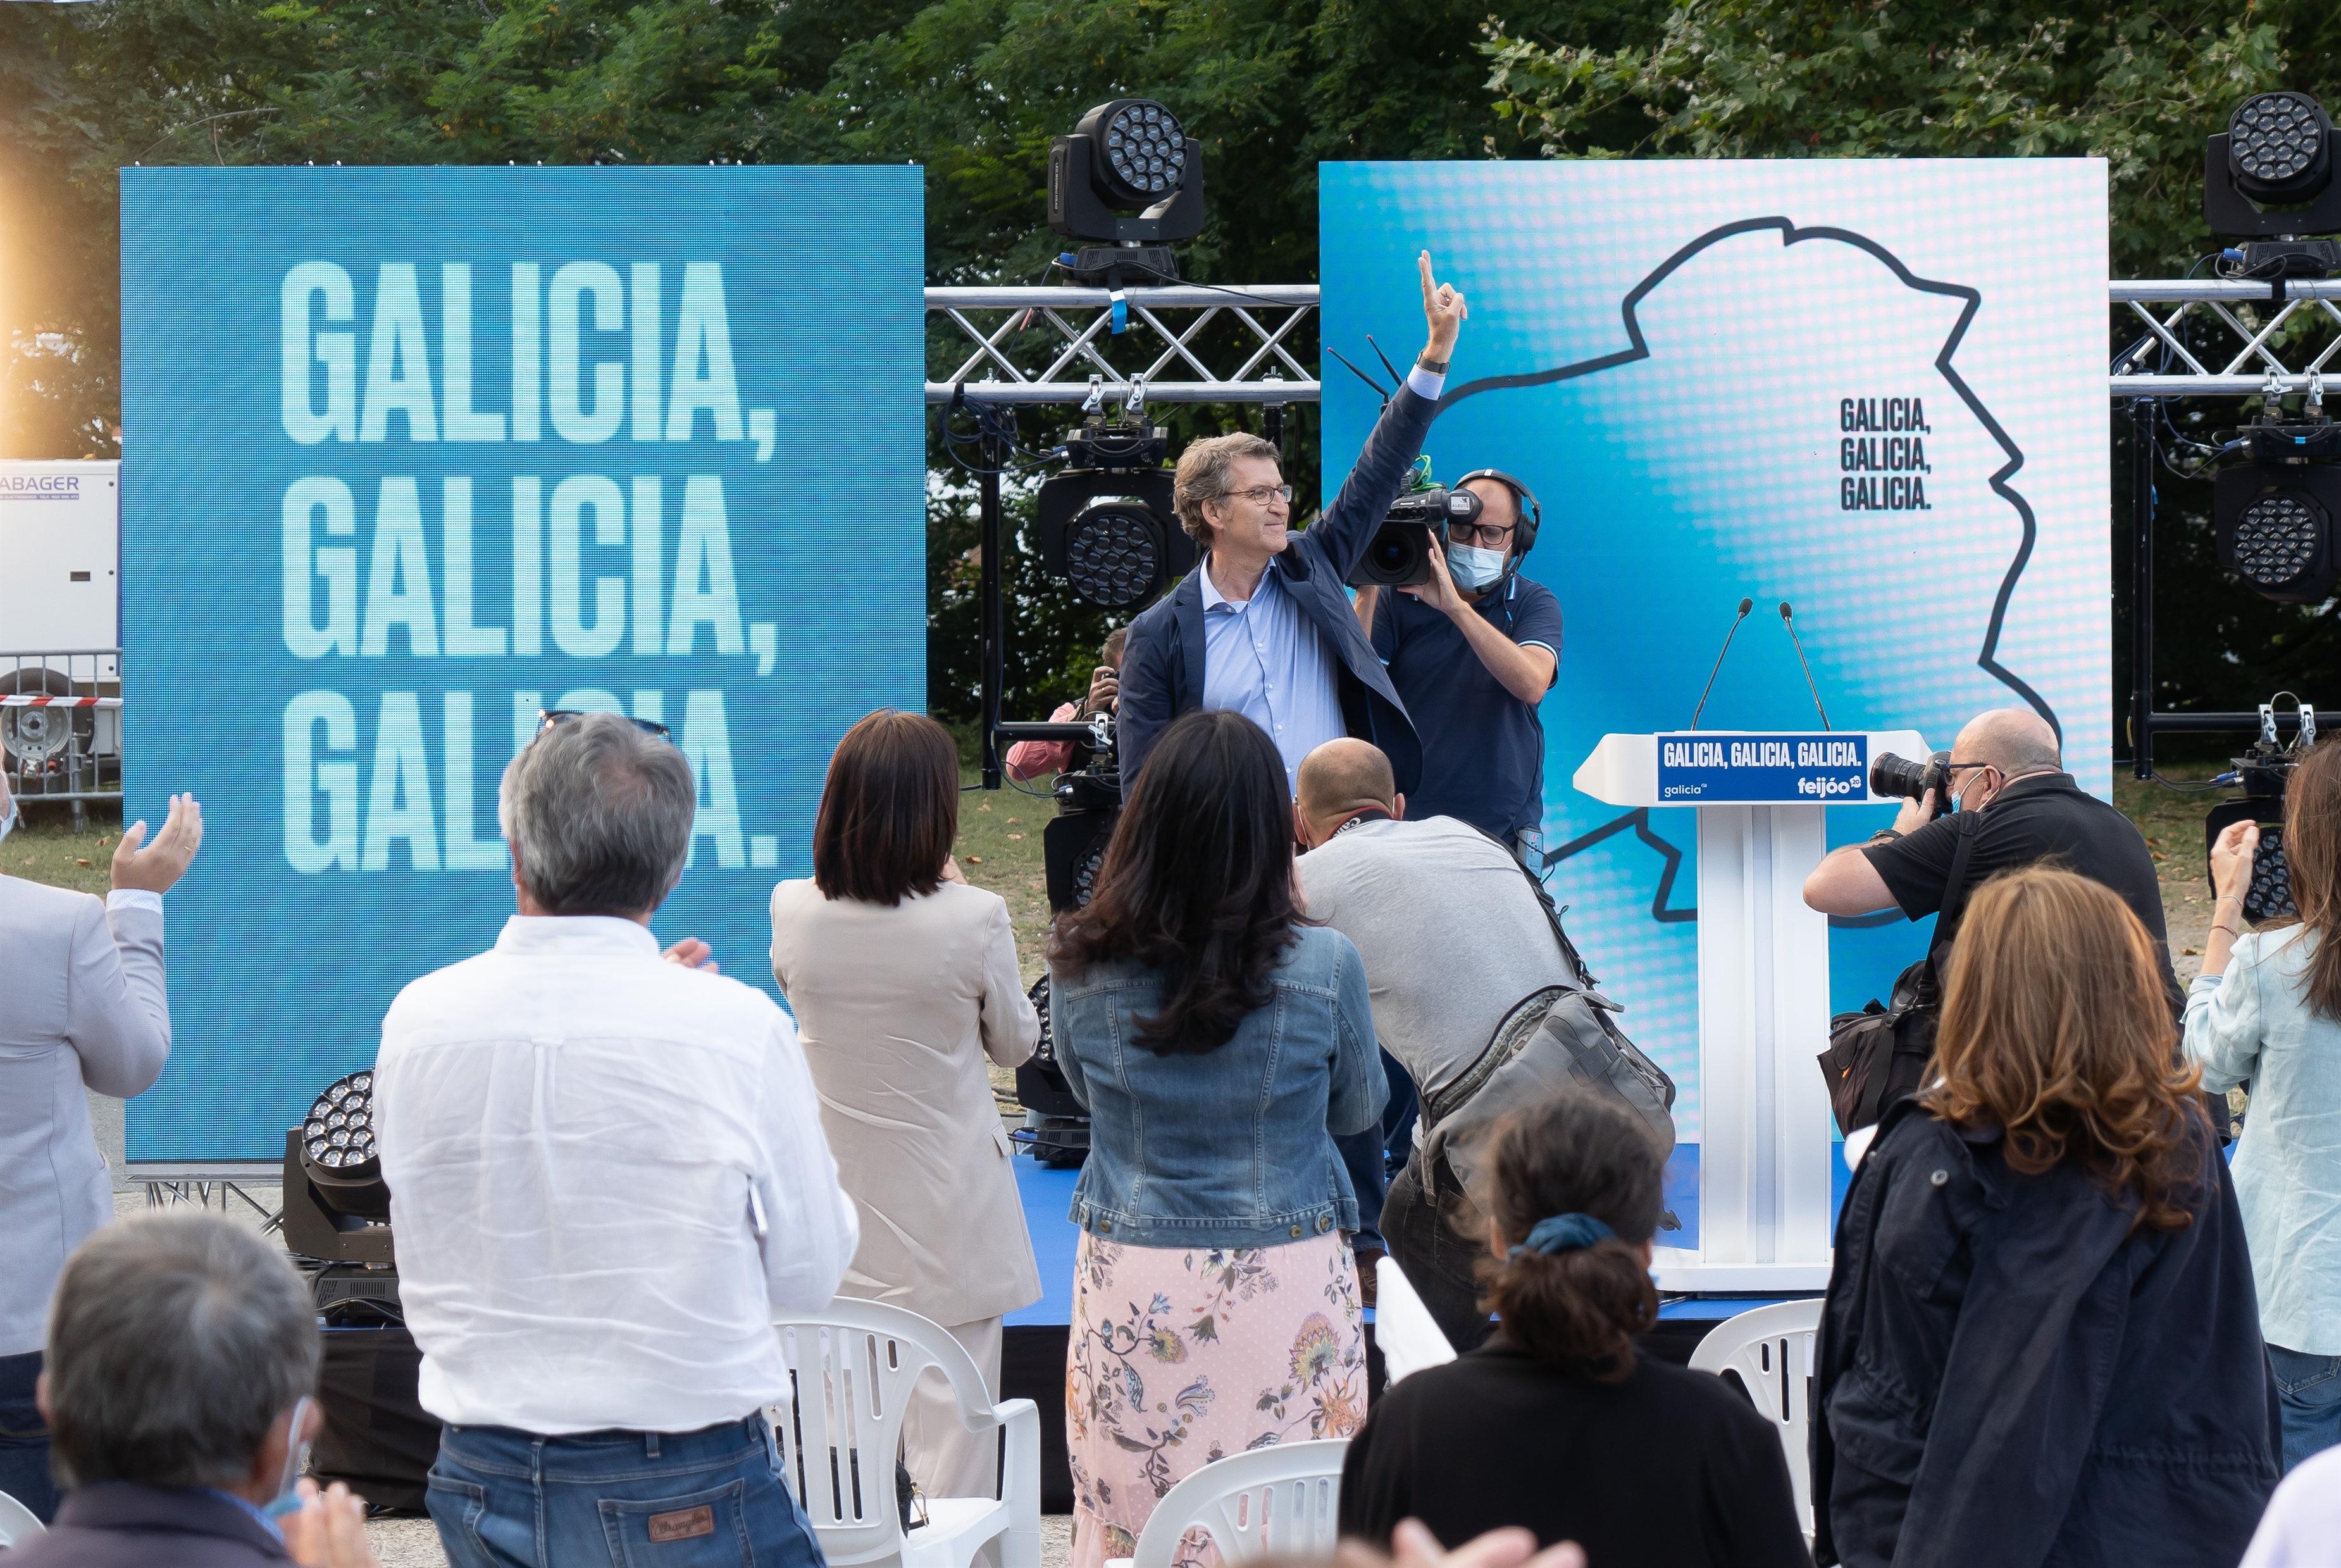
(1059, 346)
(2232, 338)
(1037, 345)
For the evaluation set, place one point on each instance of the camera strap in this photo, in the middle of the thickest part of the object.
(1953, 908)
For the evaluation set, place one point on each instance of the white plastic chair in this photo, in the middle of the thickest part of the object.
(1771, 1350)
(1404, 1331)
(853, 1365)
(17, 1522)
(1286, 1500)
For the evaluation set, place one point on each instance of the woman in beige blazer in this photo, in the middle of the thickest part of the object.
(903, 980)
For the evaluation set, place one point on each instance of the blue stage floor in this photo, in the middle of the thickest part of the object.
(1048, 1195)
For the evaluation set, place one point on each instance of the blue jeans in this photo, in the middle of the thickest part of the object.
(508, 1499)
(2308, 1395)
(25, 1438)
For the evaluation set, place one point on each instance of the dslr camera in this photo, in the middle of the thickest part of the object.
(1892, 774)
(1399, 554)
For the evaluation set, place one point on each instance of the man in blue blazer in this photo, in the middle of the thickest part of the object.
(1263, 625)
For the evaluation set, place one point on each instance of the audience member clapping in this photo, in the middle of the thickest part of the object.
(1560, 1423)
(86, 1008)
(2266, 1011)
(183, 1356)
(1218, 1044)
(904, 981)
(607, 1176)
(2040, 1342)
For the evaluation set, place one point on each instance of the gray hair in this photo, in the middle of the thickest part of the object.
(176, 1341)
(598, 811)
(1206, 469)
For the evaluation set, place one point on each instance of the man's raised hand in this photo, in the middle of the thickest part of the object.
(157, 866)
(1444, 308)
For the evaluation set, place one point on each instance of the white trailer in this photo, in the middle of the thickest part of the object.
(60, 629)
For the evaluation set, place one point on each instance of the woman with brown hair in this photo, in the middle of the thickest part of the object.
(1560, 1423)
(903, 980)
(2040, 1342)
(2266, 1009)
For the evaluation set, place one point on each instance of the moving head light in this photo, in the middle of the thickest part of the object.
(2268, 180)
(1130, 178)
(2272, 514)
(1106, 524)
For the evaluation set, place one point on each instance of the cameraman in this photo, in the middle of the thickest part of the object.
(1264, 626)
(1472, 652)
(1454, 940)
(2020, 807)
(1030, 759)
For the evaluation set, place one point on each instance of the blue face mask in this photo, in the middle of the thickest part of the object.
(1473, 568)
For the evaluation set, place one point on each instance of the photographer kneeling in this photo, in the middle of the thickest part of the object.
(1475, 993)
(2013, 806)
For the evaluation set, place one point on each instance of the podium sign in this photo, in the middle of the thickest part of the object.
(1765, 1144)
(1713, 769)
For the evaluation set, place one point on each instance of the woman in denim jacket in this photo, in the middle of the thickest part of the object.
(2266, 1011)
(1218, 1044)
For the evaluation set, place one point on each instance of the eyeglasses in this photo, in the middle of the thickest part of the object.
(548, 717)
(1263, 494)
(1484, 534)
(1951, 771)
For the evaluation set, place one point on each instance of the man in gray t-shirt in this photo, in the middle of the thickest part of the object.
(1453, 940)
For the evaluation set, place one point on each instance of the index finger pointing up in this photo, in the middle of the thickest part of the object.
(1428, 287)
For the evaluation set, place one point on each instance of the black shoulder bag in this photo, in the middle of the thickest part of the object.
(1880, 1054)
(1563, 1036)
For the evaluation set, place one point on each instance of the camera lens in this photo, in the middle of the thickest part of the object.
(1891, 774)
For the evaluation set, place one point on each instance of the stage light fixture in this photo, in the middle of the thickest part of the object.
(336, 1204)
(1106, 524)
(2272, 514)
(1131, 179)
(2268, 180)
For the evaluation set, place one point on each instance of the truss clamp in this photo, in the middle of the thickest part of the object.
(1134, 405)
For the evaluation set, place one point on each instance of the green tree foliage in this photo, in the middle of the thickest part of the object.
(972, 89)
(2138, 86)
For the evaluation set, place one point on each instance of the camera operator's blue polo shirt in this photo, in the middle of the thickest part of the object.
(1482, 747)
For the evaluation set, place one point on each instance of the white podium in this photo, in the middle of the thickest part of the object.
(1765, 1143)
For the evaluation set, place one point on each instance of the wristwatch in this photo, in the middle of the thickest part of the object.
(1436, 366)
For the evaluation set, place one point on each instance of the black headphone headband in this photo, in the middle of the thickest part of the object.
(1531, 514)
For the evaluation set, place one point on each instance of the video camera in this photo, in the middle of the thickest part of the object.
(2262, 772)
(1399, 554)
(1056, 1129)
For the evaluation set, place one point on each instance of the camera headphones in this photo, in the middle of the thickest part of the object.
(1531, 514)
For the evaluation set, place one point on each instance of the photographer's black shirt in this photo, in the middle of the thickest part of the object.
(2041, 818)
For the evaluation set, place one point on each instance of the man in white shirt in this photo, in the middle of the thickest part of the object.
(607, 1176)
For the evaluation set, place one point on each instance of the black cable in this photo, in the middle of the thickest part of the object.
(2181, 788)
(1172, 277)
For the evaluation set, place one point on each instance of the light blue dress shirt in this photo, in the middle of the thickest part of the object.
(1264, 658)
(2255, 1022)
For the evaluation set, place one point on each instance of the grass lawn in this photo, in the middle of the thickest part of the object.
(1000, 849)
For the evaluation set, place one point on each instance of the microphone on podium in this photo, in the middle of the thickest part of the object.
(1788, 619)
(1744, 605)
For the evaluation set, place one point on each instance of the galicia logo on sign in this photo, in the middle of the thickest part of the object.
(1724, 768)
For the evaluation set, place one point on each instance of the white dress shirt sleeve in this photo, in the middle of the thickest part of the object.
(1426, 383)
(807, 1229)
(2225, 1025)
(118, 1017)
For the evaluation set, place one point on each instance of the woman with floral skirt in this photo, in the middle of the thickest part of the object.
(1219, 1043)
